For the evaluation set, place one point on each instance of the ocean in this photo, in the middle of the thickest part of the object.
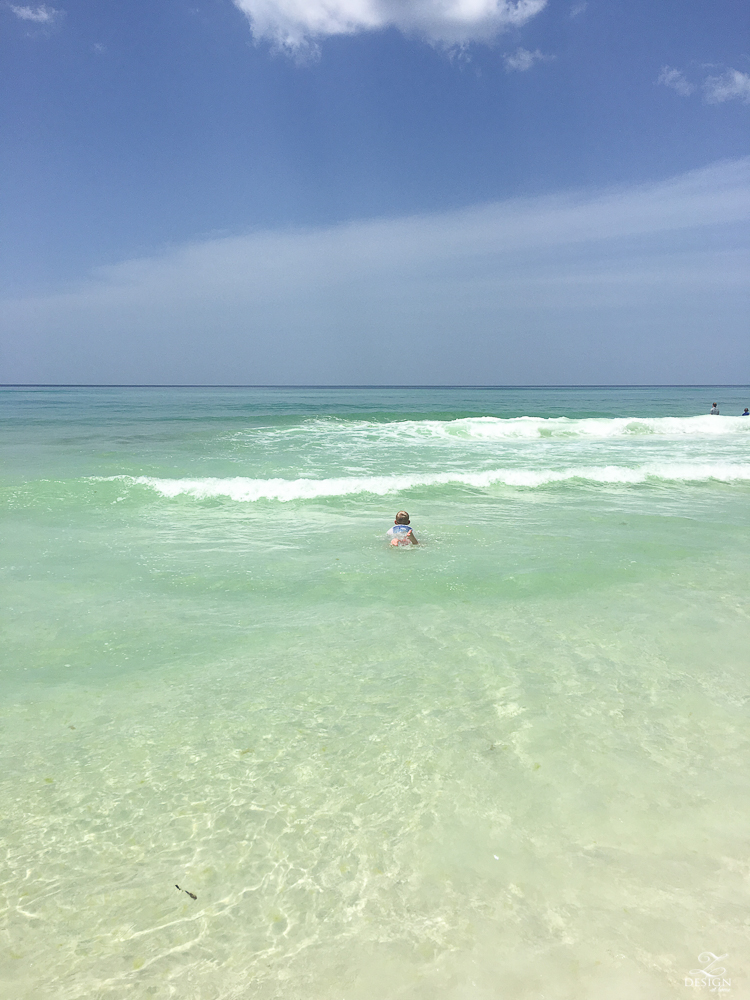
(510, 762)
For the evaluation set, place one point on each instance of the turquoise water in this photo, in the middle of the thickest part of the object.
(511, 762)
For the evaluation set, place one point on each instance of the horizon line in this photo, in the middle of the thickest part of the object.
(281, 385)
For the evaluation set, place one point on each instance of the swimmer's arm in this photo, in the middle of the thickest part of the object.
(412, 537)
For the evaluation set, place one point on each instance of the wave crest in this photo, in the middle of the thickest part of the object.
(510, 429)
(244, 490)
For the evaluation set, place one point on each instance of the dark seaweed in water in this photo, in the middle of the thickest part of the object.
(191, 894)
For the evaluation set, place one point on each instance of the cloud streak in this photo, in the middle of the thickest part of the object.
(728, 86)
(731, 85)
(39, 15)
(522, 60)
(640, 284)
(675, 79)
(297, 25)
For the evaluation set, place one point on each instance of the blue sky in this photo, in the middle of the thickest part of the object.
(281, 191)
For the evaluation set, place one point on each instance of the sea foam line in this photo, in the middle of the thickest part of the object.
(489, 429)
(242, 489)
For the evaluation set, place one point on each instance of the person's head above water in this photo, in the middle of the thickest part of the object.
(402, 517)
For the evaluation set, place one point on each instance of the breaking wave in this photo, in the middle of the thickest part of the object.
(516, 428)
(494, 428)
(243, 489)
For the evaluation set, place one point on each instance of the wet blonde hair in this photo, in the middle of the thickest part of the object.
(402, 517)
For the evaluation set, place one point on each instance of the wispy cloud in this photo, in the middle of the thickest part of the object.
(578, 8)
(522, 60)
(40, 15)
(731, 85)
(296, 25)
(675, 79)
(541, 286)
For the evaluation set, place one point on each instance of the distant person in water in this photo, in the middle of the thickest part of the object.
(715, 408)
(745, 412)
(401, 533)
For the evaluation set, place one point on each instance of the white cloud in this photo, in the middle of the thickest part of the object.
(675, 79)
(41, 15)
(298, 24)
(582, 286)
(727, 87)
(522, 59)
(577, 9)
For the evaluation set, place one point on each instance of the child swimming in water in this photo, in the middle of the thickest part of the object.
(401, 533)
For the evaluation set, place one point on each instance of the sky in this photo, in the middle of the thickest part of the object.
(375, 192)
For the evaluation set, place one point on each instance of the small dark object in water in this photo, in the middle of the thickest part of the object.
(191, 894)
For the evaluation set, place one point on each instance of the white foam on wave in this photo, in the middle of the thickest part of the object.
(513, 429)
(494, 428)
(243, 489)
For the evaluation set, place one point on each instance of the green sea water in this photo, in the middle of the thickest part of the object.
(511, 762)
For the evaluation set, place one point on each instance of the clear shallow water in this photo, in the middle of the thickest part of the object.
(511, 762)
